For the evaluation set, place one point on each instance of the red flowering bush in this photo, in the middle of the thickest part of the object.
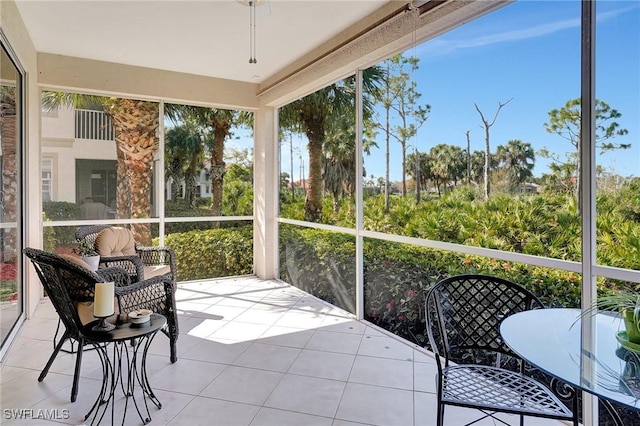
(7, 271)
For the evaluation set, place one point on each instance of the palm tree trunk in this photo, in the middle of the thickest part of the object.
(190, 182)
(122, 187)
(218, 169)
(9, 184)
(136, 124)
(313, 201)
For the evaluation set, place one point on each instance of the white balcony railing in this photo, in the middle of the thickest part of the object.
(93, 125)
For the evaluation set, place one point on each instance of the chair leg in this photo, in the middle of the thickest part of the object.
(53, 356)
(440, 415)
(575, 406)
(174, 349)
(76, 374)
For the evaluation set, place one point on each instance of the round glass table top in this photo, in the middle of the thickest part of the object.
(550, 340)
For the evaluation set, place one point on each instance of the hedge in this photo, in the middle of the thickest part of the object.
(212, 253)
(397, 276)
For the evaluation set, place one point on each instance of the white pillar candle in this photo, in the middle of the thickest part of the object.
(103, 300)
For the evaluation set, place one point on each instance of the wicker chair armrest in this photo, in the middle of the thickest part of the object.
(118, 275)
(157, 255)
(132, 264)
(154, 293)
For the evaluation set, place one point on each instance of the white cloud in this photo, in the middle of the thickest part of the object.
(444, 46)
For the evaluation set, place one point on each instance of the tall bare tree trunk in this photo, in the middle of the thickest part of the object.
(418, 179)
(487, 148)
(293, 186)
(387, 190)
(468, 158)
(487, 161)
(403, 145)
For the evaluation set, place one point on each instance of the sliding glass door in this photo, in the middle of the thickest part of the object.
(11, 285)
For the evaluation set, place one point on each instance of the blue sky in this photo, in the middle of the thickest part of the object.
(528, 51)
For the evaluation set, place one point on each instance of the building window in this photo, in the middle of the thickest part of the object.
(47, 179)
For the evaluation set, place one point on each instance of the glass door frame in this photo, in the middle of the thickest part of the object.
(20, 199)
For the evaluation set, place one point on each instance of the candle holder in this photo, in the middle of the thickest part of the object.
(103, 326)
(103, 306)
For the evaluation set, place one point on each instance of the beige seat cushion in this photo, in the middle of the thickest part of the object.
(85, 312)
(115, 242)
(156, 270)
(77, 260)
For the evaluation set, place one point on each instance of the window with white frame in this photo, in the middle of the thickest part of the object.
(47, 179)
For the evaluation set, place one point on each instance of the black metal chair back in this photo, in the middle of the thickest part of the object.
(465, 312)
(480, 371)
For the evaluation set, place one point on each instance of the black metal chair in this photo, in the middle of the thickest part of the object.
(68, 284)
(140, 265)
(476, 369)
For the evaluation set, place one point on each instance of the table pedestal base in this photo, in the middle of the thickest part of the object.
(113, 375)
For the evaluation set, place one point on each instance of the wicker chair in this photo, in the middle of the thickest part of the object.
(61, 276)
(476, 369)
(143, 262)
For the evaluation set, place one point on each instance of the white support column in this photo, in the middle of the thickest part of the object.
(359, 201)
(588, 200)
(161, 192)
(266, 169)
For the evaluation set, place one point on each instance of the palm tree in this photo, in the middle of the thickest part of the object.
(339, 162)
(517, 158)
(184, 152)
(420, 172)
(477, 166)
(447, 164)
(221, 121)
(312, 114)
(339, 171)
(135, 127)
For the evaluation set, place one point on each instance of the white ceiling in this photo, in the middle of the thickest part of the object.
(206, 37)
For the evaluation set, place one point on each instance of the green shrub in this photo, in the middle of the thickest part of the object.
(48, 235)
(180, 208)
(60, 210)
(320, 263)
(213, 253)
(398, 276)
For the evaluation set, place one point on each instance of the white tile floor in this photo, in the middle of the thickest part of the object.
(251, 352)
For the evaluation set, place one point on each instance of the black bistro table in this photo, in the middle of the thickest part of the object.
(549, 339)
(126, 367)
